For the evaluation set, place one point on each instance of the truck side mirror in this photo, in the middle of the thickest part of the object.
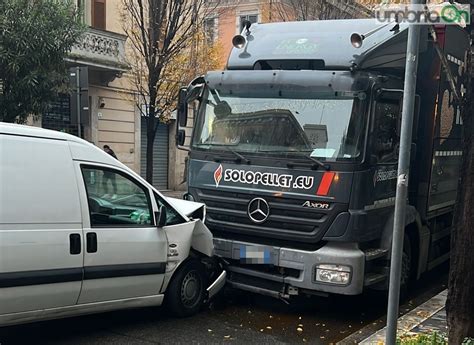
(180, 137)
(182, 107)
(160, 217)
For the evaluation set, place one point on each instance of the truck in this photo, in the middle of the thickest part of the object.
(294, 150)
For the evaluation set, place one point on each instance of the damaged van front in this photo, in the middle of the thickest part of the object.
(193, 240)
(96, 237)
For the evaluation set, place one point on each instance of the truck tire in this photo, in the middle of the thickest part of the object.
(407, 268)
(186, 291)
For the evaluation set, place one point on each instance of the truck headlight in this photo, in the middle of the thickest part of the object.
(333, 274)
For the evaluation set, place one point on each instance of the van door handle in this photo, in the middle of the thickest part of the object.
(75, 244)
(91, 242)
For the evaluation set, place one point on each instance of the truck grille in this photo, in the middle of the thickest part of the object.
(288, 219)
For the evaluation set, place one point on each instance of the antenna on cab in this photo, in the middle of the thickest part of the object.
(357, 39)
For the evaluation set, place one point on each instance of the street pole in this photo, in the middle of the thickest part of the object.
(78, 98)
(409, 90)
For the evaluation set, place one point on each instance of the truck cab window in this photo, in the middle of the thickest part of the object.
(115, 199)
(386, 139)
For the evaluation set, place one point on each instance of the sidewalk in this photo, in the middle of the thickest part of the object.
(426, 318)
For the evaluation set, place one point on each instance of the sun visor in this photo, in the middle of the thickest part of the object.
(286, 83)
(323, 45)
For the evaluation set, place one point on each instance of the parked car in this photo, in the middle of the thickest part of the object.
(82, 233)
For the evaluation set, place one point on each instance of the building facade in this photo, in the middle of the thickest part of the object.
(107, 112)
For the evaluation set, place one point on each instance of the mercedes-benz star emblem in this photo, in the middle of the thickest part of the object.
(258, 210)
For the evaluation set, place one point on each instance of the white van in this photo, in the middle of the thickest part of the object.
(81, 233)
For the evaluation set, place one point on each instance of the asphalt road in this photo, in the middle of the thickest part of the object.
(236, 317)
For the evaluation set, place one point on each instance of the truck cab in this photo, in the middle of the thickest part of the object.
(294, 151)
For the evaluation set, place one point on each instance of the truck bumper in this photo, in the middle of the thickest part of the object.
(302, 264)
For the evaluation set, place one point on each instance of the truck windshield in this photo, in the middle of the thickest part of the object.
(329, 127)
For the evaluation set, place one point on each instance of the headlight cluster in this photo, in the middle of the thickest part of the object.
(333, 274)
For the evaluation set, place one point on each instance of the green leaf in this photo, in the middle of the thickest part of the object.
(35, 37)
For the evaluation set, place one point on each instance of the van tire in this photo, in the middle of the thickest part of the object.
(186, 292)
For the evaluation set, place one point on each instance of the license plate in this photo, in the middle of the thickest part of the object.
(255, 255)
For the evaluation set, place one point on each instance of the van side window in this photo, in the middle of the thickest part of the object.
(386, 131)
(115, 199)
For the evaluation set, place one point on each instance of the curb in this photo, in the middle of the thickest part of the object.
(406, 323)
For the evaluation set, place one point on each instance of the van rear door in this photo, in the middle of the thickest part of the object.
(41, 256)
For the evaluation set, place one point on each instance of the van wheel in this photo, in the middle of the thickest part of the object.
(185, 294)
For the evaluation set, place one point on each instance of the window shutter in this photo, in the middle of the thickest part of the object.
(98, 14)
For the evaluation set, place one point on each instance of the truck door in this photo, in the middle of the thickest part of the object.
(385, 145)
(385, 138)
(125, 253)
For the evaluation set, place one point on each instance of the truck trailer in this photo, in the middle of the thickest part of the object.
(294, 151)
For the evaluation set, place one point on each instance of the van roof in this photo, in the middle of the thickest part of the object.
(30, 131)
(81, 149)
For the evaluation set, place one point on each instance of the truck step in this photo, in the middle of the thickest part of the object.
(240, 280)
(374, 253)
(374, 278)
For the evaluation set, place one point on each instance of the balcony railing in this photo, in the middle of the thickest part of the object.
(100, 49)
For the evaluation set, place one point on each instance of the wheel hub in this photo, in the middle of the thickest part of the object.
(191, 289)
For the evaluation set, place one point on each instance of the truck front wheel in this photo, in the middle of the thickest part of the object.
(407, 268)
(186, 291)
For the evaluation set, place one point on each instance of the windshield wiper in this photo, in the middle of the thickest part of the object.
(317, 161)
(238, 160)
(240, 156)
(321, 164)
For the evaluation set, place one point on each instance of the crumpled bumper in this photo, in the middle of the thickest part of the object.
(217, 285)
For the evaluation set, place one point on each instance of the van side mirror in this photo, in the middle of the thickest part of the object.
(160, 217)
(180, 137)
(182, 111)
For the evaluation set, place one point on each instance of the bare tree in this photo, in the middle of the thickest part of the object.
(286, 10)
(460, 302)
(158, 32)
